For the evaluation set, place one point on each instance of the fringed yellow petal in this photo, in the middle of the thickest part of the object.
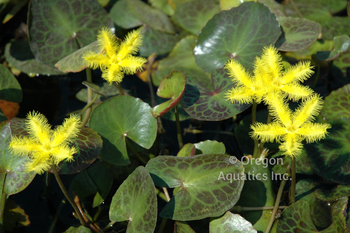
(95, 60)
(301, 72)
(130, 45)
(308, 109)
(296, 91)
(238, 73)
(314, 131)
(113, 74)
(272, 61)
(67, 131)
(267, 132)
(260, 73)
(279, 109)
(107, 41)
(23, 146)
(292, 145)
(40, 163)
(132, 64)
(38, 127)
(63, 153)
(241, 95)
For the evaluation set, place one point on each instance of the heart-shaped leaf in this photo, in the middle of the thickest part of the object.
(341, 45)
(239, 33)
(136, 201)
(12, 166)
(298, 33)
(193, 15)
(156, 42)
(74, 62)
(203, 104)
(122, 16)
(210, 147)
(19, 55)
(10, 90)
(58, 28)
(231, 223)
(208, 185)
(337, 104)
(172, 86)
(150, 16)
(120, 117)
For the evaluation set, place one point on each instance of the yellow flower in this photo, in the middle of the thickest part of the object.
(292, 128)
(268, 78)
(116, 59)
(45, 146)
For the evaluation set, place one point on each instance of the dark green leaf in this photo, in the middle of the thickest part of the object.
(122, 15)
(333, 194)
(136, 201)
(231, 223)
(208, 185)
(239, 33)
(120, 117)
(10, 90)
(341, 45)
(337, 104)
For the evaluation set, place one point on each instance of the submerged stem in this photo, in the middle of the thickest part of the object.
(256, 143)
(179, 135)
(89, 99)
(128, 144)
(292, 187)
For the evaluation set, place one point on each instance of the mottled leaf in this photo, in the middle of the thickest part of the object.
(122, 15)
(120, 117)
(337, 104)
(10, 90)
(173, 87)
(58, 28)
(210, 147)
(203, 104)
(163, 5)
(341, 66)
(341, 44)
(156, 42)
(182, 227)
(302, 164)
(239, 33)
(150, 16)
(19, 55)
(193, 15)
(231, 223)
(333, 194)
(136, 201)
(297, 34)
(207, 184)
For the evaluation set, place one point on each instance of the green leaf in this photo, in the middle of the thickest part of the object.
(193, 15)
(58, 28)
(173, 87)
(182, 227)
(95, 179)
(231, 223)
(136, 201)
(228, 4)
(208, 184)
(187, 150)
(210, 147)
(122, 15)
(341, 66)
(80, 229)
(297, 34)
(105, 90)
(150, 16)
(74, 62)
(341, 45)
(203, 104)
(17, 6)
(19, 55)
(156, 42)
(13, 166)
(333, 194)
(163, 5)
(171, 114)
(10, 90)
(239, 33)
(120, 117)
(337, 104)
(302, 164)
(182, 59)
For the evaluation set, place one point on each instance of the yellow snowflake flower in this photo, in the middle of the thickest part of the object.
(45, 146)
(268, 78)
(292, 128)
(116, 59)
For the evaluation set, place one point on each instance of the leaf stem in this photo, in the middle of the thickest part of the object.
(109, 225)
(292, 187)
(2, 209)
(128, 144)
(317, 76)
(89, 99)
(256, 143)
(151, 60)
(296, 9)
(119, 88)
(179, 135)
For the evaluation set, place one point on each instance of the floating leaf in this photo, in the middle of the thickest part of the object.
(297, 34)
(341, 67)
(173, 87)
(182, 227)
(193, 15)
(156, 42)
(120, 117)
(122, 15)
(203, 104)
(302, 164)
(58, 28)
(74, 62)
(208, 184)
(136, 201)
(187, 150)
(163, 5)
(13, 166)
(150, 16)
(10, 90)
(231, 223)
(182, 59)
(333, 194)
(239, 33)
(105, 90)
(80, 229)
(171, 114)
(228, 4)
(341, 44)
(337, 104)
(210, 147)
(19, 55)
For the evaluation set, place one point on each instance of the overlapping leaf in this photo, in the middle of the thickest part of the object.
(203, 104)
(337, 104)
(10, 90)
(122, 15)
(239, 33)
(341, 45)
(204, 188)
(231, 223)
